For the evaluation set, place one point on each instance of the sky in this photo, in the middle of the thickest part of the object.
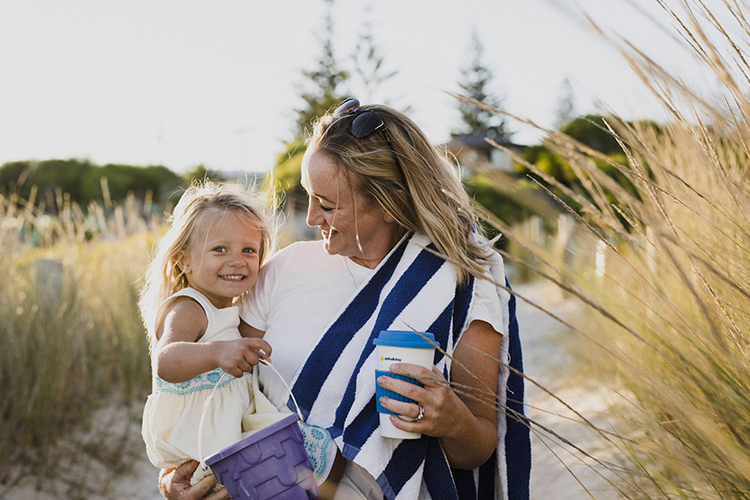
(184, 83)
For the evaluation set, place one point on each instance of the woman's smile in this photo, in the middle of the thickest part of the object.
(350, 226)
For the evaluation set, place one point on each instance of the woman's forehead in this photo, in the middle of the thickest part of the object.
(322, 177)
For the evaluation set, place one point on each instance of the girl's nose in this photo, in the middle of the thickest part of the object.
(236, 259)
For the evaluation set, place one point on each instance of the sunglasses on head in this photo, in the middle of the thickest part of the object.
(364, 122)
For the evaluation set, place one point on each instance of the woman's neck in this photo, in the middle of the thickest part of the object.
(370, 261)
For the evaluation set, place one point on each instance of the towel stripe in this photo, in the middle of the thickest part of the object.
(407, 287)
(517, 437)
(437, 473)
(410, 286)
(487, 470)
(467, 489)
(464, 294)
(402, 466)
(330, 347)
(441, 329)
(360, 430)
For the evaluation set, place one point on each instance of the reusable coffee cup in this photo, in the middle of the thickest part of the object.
(400, 347)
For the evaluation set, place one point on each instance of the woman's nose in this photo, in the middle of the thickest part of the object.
(314, 215)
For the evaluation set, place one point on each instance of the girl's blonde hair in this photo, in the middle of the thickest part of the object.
(205, 202)
(410, 179)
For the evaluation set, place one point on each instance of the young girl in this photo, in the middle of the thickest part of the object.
(209, 256)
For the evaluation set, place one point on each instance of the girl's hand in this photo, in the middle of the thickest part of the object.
(239, 356)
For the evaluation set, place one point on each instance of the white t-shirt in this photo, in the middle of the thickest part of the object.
(300, 291)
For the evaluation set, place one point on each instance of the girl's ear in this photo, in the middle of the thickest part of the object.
(182, 261)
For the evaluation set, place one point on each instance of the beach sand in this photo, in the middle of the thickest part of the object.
(546, 361)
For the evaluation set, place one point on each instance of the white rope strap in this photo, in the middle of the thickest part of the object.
(210, 397)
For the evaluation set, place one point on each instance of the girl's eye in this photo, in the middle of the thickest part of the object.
(220, 249)
(249, 250)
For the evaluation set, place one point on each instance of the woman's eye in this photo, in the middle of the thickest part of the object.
(326, 209)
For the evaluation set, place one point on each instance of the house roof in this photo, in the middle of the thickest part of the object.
(477, 140)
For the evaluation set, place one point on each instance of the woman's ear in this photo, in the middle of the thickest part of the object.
(400, 200)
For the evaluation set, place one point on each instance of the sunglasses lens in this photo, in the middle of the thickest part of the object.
(347, 107)
(365, 124)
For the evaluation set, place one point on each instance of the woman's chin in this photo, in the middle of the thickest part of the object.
(330, 249)
(329, 240)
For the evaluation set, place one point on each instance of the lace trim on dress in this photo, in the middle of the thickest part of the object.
(203, 381)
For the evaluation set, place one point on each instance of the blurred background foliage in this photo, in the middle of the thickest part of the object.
(67, 354)
(84, 182)
(511, 195)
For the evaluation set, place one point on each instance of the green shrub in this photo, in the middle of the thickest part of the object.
(71, 338)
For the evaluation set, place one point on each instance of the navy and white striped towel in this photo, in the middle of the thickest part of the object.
(335, 388)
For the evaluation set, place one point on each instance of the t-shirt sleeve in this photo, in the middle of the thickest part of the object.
(490, 304)
(255, 303)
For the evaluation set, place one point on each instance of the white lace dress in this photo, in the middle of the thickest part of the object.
(172, 415)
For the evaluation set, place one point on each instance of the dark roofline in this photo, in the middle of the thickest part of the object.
(477, 140)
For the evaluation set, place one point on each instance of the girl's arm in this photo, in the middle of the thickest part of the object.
(182, 358)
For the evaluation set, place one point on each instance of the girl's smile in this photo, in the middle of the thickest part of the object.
(222, 259)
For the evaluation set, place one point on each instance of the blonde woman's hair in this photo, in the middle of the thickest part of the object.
(410, 179)
(205, 202)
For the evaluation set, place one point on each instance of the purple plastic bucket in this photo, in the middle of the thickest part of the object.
(268, 464)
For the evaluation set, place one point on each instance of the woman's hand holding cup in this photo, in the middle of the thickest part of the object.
(396, 348)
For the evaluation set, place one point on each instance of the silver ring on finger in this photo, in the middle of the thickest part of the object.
(421, 412)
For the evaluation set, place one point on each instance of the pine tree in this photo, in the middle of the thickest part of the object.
(566, 112)
(324, 93)
(368, 62)
(476, 83)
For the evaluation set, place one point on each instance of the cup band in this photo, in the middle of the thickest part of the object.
(380, 391)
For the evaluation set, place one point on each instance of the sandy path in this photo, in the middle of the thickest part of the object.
(545, 361)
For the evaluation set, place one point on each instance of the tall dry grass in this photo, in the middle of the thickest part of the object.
(71, 339)
(665, 273)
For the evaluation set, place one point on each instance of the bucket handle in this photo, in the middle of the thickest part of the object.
(210, 397)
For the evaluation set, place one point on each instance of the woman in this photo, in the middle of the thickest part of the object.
(400, 251)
